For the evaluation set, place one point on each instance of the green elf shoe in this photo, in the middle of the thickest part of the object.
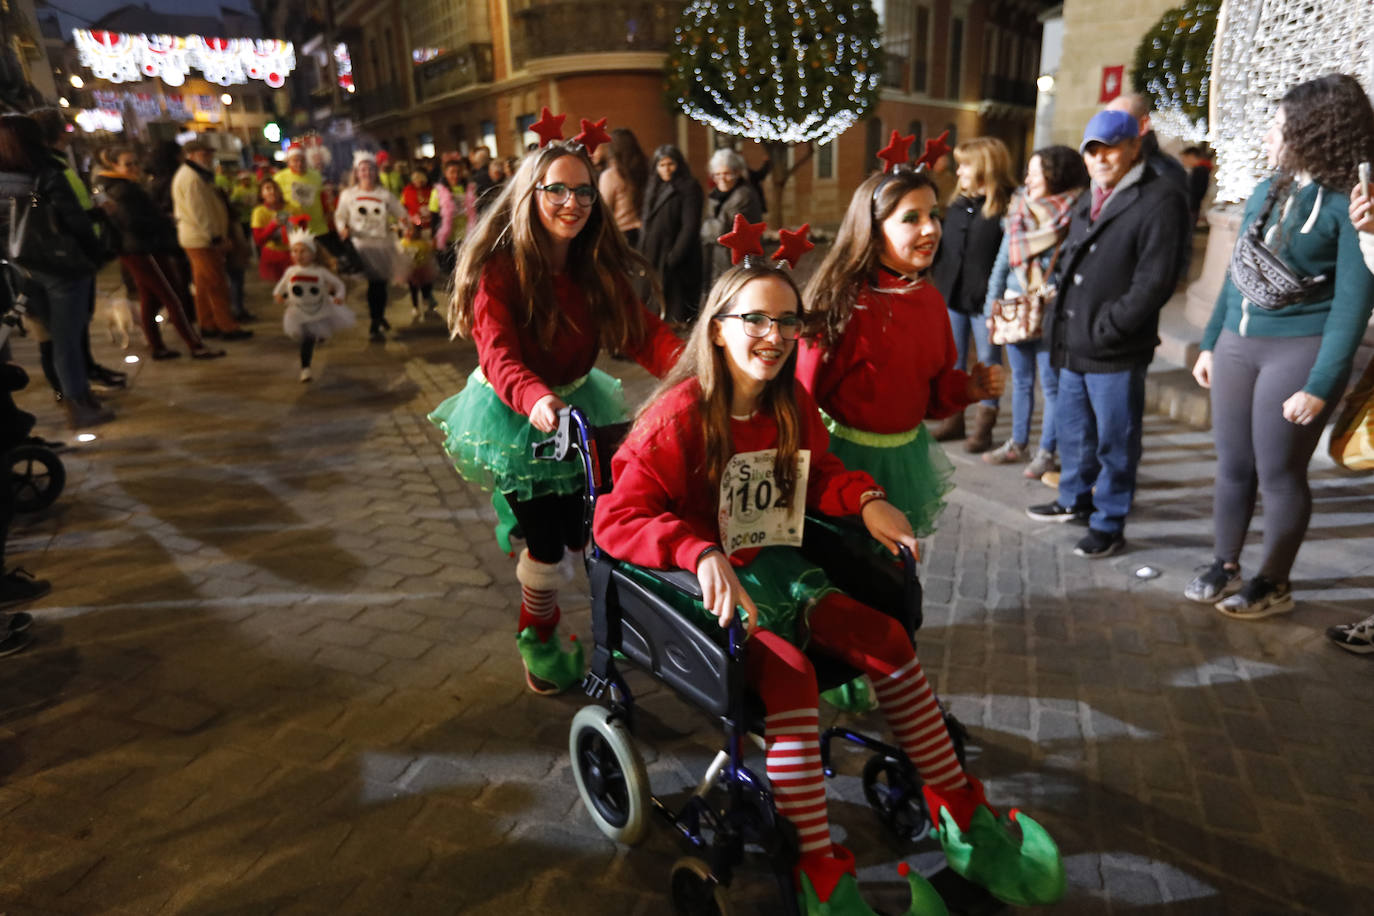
(548, 668)
(982, 849)
(855, 696)
(925, 899)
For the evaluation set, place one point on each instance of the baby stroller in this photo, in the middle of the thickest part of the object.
(35, 472)
(633, 625)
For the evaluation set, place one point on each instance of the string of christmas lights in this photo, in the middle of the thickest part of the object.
(787, 72)
(1265, 47)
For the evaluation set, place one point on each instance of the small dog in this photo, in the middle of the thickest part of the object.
(117, 313)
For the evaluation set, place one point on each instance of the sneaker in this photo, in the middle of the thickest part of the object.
(19, 586)
(12, 643)
(1053, 512)
(305, 374)
(1354, 637)
(1098, 544)
(1007, 453)
(1041, 464)
(1215, 583)
(1258, 598)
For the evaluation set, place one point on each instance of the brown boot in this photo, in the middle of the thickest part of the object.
(949, 429)
(980, 440)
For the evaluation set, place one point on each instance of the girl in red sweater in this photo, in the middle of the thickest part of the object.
(715, 478)
(884, 359)
(542, 286)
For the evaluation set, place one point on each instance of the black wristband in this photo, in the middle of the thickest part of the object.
(714, 547)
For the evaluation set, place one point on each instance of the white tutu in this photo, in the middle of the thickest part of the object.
(321, 325)
(381, 260)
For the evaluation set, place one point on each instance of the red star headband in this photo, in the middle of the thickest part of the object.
(549, 127)
(894, 157)
(897, 152)
(745, 241)
(934, 150)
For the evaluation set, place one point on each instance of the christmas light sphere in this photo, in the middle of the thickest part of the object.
(818, 65)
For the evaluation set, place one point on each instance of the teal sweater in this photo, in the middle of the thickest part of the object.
(1313, 243)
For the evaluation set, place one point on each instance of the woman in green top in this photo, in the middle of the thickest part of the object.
(1276, 375)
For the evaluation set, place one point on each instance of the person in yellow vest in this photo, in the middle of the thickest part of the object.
(388, 176)
(300, 185)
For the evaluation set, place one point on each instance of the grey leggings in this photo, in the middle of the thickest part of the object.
(1258, 449)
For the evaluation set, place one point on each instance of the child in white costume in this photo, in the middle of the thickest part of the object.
(314, 299)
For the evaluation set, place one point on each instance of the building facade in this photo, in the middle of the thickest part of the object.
(438, 75)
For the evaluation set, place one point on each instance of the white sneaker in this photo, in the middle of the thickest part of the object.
(305, 374)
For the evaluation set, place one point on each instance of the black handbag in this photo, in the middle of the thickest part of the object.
(1260, 274)
(36, 240)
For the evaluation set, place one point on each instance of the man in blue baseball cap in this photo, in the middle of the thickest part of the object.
(1117, 269)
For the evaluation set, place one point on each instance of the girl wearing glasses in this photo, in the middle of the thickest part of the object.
(542, 287)
(883, 361)
(730, 412)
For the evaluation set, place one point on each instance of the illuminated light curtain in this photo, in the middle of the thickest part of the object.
(1264, 48)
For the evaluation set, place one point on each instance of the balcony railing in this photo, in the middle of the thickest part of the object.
(454, 70)
(373, 103)
(1009, 91)
(549, 28)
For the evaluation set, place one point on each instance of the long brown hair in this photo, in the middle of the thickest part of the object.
(600, 261)
(1328, 130)
(706, 361)
(991, 162)
(852, 261)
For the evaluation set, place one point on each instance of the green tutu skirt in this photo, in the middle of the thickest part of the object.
(785, 587)
(910, 466)
(491, 445)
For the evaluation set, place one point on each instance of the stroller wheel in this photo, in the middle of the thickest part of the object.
(896, 798)
(37, 477)
(610, 774)
(695, 890)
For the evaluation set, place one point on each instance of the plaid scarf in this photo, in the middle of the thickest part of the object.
(1035, 226)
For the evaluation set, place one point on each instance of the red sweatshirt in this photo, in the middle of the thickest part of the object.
(894, 364)
(520, 369)
(662, 512)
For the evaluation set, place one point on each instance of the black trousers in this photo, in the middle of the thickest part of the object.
(549, 524)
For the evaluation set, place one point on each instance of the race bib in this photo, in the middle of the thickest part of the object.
(750, 513)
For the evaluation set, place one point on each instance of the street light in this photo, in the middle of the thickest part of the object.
(77, 82)
(1045, 83)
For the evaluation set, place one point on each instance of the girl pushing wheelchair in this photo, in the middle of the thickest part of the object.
(714, 479)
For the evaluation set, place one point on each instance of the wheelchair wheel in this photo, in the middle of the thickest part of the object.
(36, 477)
(610, 774)
(896, 799)
(695, 890)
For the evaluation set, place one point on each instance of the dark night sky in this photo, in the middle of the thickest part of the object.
(76, 14)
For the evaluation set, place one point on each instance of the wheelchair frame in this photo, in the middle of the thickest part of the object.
(707, 669)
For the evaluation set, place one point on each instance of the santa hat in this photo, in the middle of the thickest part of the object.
(295, 149)
(362, 155)
(300, 236)
(383, 157)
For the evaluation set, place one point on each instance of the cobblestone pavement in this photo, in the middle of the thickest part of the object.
(276, 674)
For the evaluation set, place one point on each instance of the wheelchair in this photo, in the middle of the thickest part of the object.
(632, 625)
(36, 473)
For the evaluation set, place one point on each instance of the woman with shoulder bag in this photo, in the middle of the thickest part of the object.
(1033, 233)
(53, 253)
(1278, 350)
(972, 234)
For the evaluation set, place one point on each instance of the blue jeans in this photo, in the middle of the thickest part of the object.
(964, 325)
(1025, 359)
(1099, 418)
(69, 313)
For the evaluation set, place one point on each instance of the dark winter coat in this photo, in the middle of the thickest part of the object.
(968, 248)
(140, 224)
(56, 191)
(672, 221)
(1115, 274)
(721, 210)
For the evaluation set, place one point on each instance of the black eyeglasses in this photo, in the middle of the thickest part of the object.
(559, 193)
(757, 324)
